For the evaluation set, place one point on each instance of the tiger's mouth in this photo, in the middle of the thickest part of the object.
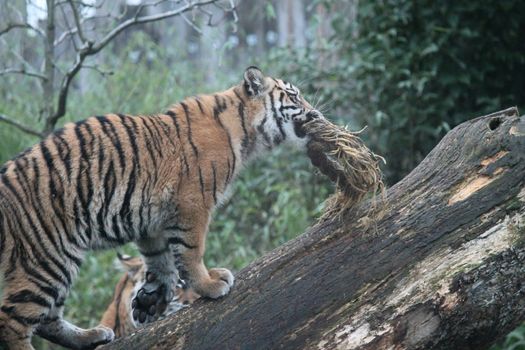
(299, 129)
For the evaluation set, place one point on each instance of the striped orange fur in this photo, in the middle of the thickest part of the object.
(113, 179)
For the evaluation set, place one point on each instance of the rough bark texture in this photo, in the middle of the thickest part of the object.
(441, 267)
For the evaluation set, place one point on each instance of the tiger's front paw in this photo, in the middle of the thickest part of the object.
(218, 285)
(151, 299)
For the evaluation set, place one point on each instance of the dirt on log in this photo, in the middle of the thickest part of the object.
(442, 267)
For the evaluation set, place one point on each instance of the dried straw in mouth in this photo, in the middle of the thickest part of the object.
(343, 157)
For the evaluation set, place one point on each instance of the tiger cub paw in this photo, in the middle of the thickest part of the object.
(218, 285)
(151, 299)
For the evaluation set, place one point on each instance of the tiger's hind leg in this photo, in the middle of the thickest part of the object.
(61, 332)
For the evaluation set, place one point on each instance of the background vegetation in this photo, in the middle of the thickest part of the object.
(410, 70)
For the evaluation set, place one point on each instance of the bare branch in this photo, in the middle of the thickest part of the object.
(191, 24)
(20, 126)
(77, 21)
(73, 41)
(145, 19)
(81, 3)
(12, 26)
(90, 48)
(24, 63)
(22, 71)
(97, 68)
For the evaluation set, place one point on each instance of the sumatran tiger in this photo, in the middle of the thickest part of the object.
(113, 179)
(118, 314)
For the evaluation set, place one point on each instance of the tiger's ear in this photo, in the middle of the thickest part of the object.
(130, 264)
(254, 81)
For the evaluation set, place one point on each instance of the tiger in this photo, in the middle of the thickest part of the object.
(153, 180)
(117, 315)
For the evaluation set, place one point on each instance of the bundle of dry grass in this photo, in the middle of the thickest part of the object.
(343, 157)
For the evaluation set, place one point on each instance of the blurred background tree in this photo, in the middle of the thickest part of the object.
(409, 70)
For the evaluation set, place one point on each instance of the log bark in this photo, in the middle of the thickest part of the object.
(441, 266)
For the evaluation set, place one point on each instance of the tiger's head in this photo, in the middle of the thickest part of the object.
(284, 110)
(118, 315)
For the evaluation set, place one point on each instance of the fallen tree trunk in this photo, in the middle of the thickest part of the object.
(440, 267)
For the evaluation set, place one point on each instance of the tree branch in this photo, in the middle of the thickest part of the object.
(20, 126)
(12, 26)
(90, 48)
(145, 19)
(22, 71)
(77, 21)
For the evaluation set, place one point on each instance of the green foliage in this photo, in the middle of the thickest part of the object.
(411, 70)
(515, 340)
(422, 67)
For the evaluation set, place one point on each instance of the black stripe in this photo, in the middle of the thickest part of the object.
(109, 130)
(173, 116)
(228, 172)
(199, 104)
(165, 129)
(54, 194)
(83, 178)
(17, 242)
(260, 129)
(57, 202)
(152, 140)
(153, 253)
(214, 171)
(180, 241)
(89, 153)
(245, 139)
(34, 203)
(27, 296)
(217, 110)
(238, 96)
(26, 321)
(177, 228)
(125, 210)
(64, 151)
(143, 233)
(52, 292)
(188, 124)
(50, 257)
(3, 235)
(116, 230)
(278, 120)
(177, 128)
(101, 157)
(201, 182)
